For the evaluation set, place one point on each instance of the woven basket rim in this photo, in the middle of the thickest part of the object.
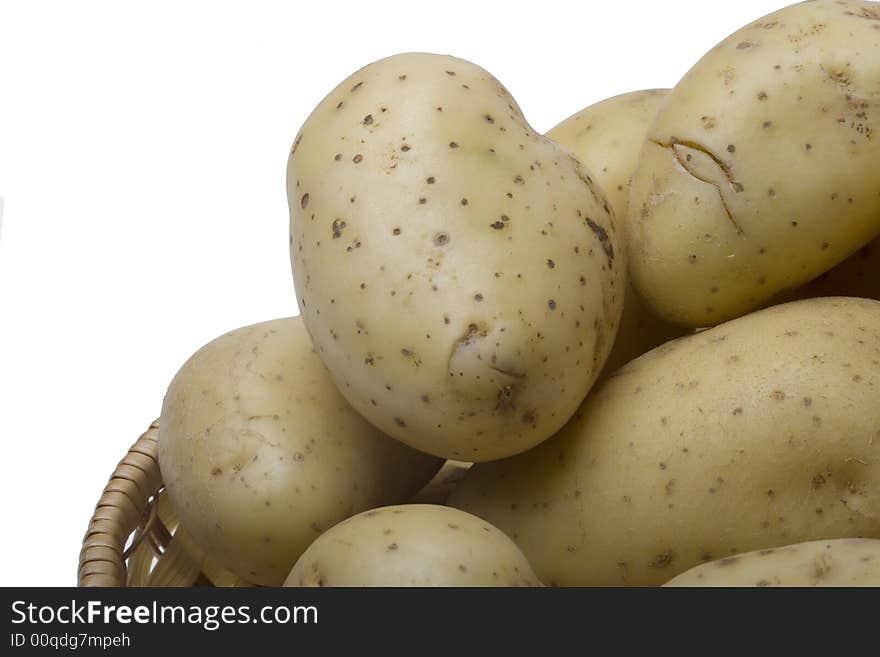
(120, 511)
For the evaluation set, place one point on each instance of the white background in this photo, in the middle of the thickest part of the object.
(142, 161)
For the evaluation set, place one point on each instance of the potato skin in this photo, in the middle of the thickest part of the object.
(413, 545)
(607, 138)
(458, 272)
(762, 171)
(260, 453)
(760, 432)
(857, 276)
(838, 562)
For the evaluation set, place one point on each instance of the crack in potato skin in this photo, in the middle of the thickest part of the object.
(786, 110)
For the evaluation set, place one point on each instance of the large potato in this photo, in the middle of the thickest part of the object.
(761, 432)
(838, 562)
(458, 272)
(413, 545)
(260, 453)
(607, 138)
(762, 171)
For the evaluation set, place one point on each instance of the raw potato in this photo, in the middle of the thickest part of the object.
(413, 545)
(857, 276)
(840, 562)
(607, 138)
(459, 273)
(761, 432)
(260, 453)
(763, 169)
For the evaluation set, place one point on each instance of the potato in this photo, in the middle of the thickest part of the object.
(413, 545)
(260, 453)
(762, 171)
(438, 489)
(458, 272)
(839, 562)
(607, 138)
(761, 432)
(857, 276)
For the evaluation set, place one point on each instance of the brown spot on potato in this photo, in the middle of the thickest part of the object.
(602, 236)
(663, 560)
(506, 399)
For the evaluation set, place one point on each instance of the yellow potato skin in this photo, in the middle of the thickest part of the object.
(458, 272)
(412, 545)
(762, 170)
(760, 432)
(260, 453)
(838, 562)
(607, 138)
(857, 276)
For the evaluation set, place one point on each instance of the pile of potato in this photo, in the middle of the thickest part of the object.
(654, 330)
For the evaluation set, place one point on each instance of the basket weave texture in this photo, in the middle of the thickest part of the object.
(134, 539)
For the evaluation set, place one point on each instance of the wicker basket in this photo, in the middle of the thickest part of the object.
(134, 539)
